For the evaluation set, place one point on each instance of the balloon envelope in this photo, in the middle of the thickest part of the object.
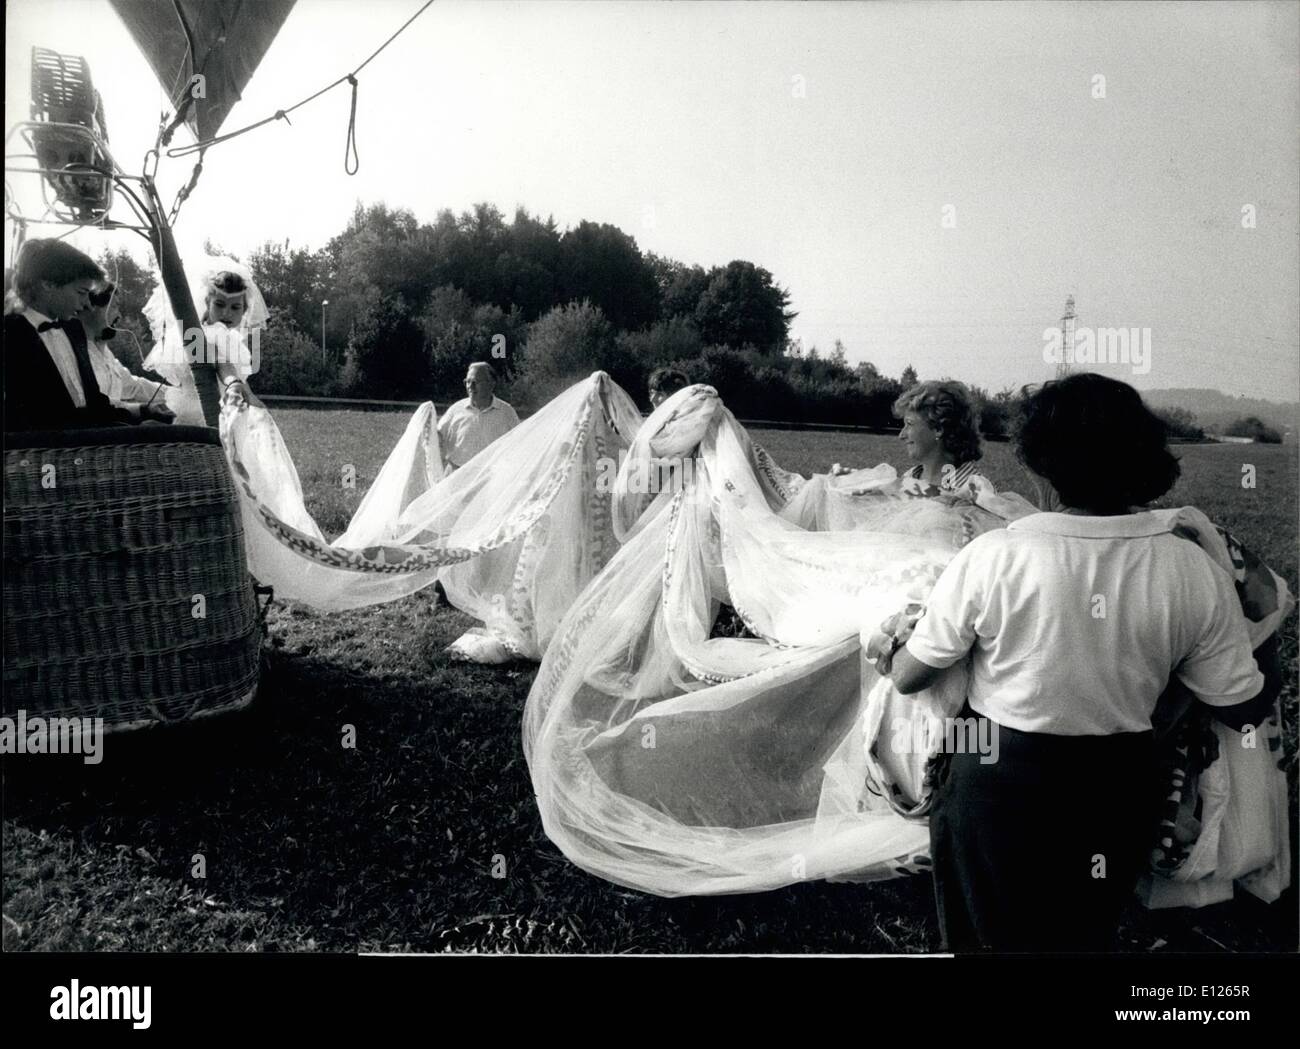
(230, 38)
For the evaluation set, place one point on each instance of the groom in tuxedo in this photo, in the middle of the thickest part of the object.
(49, 382)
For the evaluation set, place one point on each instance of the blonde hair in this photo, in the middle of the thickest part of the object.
(948, 409)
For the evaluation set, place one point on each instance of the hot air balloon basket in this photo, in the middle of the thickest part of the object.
(127, 595)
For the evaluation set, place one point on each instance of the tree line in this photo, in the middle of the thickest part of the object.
(410, 305)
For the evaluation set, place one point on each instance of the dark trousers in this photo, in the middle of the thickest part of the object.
(1040, 850)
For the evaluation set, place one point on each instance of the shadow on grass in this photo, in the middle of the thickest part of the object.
(388, 844)
(394, 842)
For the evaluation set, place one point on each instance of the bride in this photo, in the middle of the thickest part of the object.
(516, 533)
(232, 314)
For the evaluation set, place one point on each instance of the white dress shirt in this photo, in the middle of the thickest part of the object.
(59, 346)
(1076, 623)
(464, 430)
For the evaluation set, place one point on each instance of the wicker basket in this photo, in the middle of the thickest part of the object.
(126, 590)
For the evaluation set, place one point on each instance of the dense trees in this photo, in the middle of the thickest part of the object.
(680, 286)
(743, 306)
(1254, 428)
(1181, 423)
(458, 332)
(386, 355)
(295, 282)
(403, 306)
(566, 345)
(411, 304)
(601, 263)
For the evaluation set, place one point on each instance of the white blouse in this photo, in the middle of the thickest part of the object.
(118, 384)
(1076, 623)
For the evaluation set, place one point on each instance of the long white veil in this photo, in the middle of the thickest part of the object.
(675, 763)
(236, 346)
(515, 534)
(663, 758)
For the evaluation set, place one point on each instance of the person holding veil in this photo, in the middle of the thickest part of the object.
(678, 756)
(663, 383)
(941, 435)
(232, 313)
(1073, 622)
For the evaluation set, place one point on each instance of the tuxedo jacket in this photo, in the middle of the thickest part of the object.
(35, 397)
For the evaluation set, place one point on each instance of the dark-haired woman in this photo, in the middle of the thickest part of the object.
(1074, 621)
(663, 383)
(143, 398)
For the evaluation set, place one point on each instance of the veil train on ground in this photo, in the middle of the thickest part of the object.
(514, 535)
(663, 758)
(676, 763)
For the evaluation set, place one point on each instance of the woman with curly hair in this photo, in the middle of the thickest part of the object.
(934, 499)
(1074, 621)
(941, 433)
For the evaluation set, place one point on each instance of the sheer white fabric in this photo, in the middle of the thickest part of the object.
(515, 534)
(170, 356)
(556, 472)
(663, 759)
(677, 764)
(1245, 824)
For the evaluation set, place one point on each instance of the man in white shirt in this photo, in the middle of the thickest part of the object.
(471, 424)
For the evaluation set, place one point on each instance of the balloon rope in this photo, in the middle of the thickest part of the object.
(351, 159)
(282, 114)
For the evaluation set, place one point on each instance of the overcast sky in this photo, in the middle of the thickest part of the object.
(821, 141)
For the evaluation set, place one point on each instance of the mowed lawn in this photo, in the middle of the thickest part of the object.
(393, 844)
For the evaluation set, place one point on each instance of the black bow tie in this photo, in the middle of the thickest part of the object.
(47, 325)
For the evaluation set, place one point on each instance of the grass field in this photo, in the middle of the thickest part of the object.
(311, 846)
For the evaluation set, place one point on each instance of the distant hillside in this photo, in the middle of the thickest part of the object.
(1214, 410)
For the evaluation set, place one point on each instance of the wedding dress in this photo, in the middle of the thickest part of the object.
(663, 759)
(171, 354)
(513, 535)
(1233, 827)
